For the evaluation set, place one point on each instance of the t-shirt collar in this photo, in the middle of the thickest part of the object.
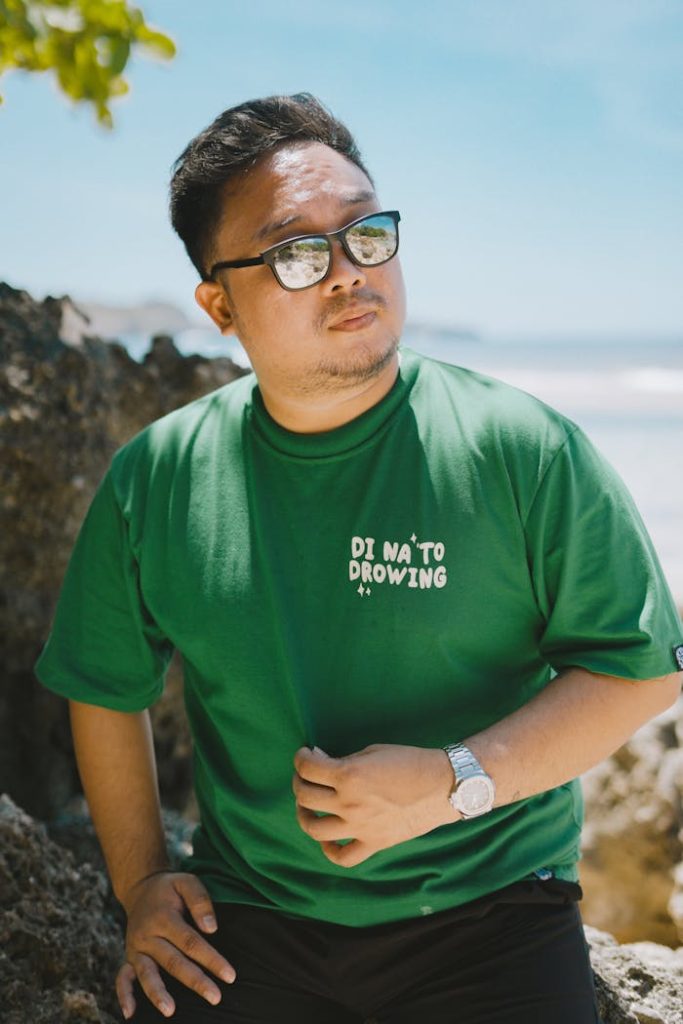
(350, 436)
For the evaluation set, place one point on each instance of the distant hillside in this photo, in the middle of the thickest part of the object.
(148, 318)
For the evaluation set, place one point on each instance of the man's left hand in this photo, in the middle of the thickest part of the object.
(378, 797)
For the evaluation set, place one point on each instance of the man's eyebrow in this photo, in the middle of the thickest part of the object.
(272, 227)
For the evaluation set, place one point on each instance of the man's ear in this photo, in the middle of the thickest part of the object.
(213, 300)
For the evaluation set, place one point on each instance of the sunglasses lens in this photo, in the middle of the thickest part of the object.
(373, 240)
(303, 263)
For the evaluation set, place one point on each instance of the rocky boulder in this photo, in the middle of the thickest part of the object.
(639, 983)
(60, 948)
(67, 402)
(61, 927)
(632, 867)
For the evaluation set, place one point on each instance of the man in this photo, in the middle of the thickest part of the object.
(413, 605)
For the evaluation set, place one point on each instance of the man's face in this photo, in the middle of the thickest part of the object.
(292, 337)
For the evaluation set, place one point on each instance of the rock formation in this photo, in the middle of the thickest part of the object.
(61, 929)
(59, 947)
(632, 868)
(639, 983)
(67, 402)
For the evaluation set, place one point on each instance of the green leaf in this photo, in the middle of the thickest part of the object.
(119, 52)
(156, 41)
(86, 43)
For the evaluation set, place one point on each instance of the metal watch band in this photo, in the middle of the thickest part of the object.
(466, 769)
(463, 761)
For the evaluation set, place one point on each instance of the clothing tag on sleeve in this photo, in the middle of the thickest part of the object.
(678, 655)
(545, 874)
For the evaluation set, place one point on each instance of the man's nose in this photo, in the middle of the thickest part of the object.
(344, 273)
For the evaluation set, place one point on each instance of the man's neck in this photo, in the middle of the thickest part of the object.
(311, 414)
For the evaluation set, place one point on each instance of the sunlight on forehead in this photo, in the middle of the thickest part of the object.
(345, 199)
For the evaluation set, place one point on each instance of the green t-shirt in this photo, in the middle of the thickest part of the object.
(410, 577)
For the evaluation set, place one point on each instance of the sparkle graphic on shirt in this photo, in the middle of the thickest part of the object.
(413, 537)
(361, 589)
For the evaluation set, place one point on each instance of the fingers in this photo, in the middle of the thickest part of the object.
(347, 856)
(197, 901)
(149, 977)
(318, 798)
(186, 940)
(164, 954)
(319, 766)
(329, 827)
(160, 935)
(171, 955)
(124, 989)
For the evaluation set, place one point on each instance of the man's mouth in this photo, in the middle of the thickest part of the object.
(354, 321)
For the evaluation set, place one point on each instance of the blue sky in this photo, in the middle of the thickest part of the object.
(533, 147)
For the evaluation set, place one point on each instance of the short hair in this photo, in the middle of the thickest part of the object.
(231, 145)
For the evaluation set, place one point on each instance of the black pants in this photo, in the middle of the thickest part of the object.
(500, 960)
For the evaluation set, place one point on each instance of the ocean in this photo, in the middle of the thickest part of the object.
(628, 397)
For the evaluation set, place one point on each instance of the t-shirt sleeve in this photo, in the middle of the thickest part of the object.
(603, 598)
(104, 647)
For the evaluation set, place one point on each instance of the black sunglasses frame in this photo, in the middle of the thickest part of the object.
(269, 255)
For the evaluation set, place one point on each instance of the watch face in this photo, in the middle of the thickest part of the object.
(475, 796)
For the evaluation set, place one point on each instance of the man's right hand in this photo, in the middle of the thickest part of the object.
(159, 935)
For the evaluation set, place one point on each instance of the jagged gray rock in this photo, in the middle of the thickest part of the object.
(61, 927)
(59, 947)
(632, 867)
(67, 402)
(637, 983)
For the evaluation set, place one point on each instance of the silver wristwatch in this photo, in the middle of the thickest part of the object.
(474, 791)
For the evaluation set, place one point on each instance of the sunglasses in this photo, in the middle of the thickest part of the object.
(306, 260)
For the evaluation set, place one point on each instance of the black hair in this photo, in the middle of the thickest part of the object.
(231, 145)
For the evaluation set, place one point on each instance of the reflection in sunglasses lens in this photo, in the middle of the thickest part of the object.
(373, 240)
(303, 263)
